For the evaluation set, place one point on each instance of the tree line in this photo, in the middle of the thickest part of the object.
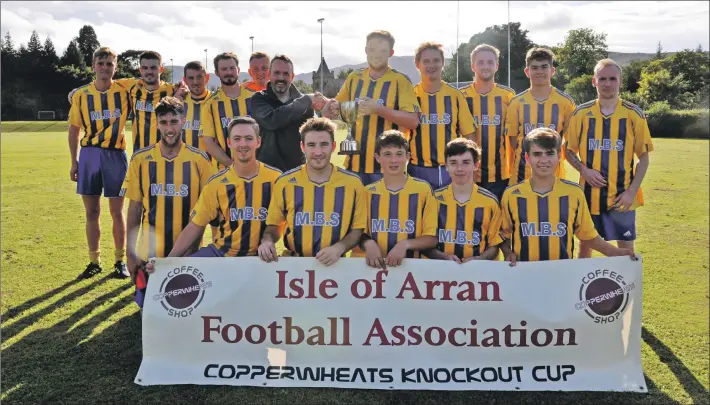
(35, 78)
(678, 81)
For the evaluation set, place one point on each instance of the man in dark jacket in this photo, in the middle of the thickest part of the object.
(280, 110)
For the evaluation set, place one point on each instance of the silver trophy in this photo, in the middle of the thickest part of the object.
(348, 114)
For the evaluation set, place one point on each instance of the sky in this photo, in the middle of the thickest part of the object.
(182, 30)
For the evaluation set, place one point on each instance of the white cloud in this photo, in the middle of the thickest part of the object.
(182, 30)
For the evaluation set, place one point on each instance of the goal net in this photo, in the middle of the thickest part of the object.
(45, 115)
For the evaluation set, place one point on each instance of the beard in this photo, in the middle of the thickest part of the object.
(228, 81)
(280, 86)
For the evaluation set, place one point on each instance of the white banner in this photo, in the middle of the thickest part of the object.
(569, 325)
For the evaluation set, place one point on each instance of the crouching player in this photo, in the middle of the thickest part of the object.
(163, 183)
(469, 216)
(401, 218)
(543, 214)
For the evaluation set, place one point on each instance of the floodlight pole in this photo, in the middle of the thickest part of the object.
(509, 44)
(205, 58)
(320, 20)
(172, 71)
(457, 44)
(252, 44)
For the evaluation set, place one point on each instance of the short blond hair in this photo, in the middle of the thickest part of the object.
(606, 63)
(103, 52)
(484, 48)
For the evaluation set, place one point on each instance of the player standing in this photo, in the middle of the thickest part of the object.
(401, 209)
(543, 214)
(100, 108)
(322, 206)
(469, 217)
(540, 106)
(608, 133)
(228, 102)
(237, 198)
(386, 101)
(196, 79)
(163, 184)
(259, 63)
(444, 115)
(488, 102)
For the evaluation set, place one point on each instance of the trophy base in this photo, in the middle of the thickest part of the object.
(349, 148)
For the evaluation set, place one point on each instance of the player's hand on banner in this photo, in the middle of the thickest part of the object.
(367, 106)
(373, 255)
(625, 252)
(267, 252)
(468, 259)
(624, 201)
(593, 177)
(149, 267)
(74, 172)
(397, 254)
(329, 255)
(512, 259)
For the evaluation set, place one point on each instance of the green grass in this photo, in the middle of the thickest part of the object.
(68, 342)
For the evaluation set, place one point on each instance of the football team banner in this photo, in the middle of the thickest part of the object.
(569, 325)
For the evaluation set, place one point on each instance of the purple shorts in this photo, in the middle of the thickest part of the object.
(101, 170)
(208, 251)
(616, 225)
(495, 187)
(369, 178)
(437, 177)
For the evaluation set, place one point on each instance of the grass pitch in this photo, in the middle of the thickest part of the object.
(69, 342)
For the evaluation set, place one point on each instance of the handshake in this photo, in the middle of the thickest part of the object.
(319, 101)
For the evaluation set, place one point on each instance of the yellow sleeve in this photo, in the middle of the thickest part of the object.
(360, 215)
(506, 226)
(430, 216)
(511, 121)
(131, 188)
(207, 170)
(466, 123)
(127, 83)
(584, 227)
(568, 112)
(206, 208)
(642, 136)
(407, 99)
(493, 234)
(206, 123)
(344, 93)
(574, 128)
(277, 205)
(75, 110)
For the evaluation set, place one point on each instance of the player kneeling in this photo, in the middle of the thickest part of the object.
(542, 214)
(401, 218)
(469, 215)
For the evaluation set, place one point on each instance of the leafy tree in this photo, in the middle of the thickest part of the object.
(49, 54)
(660, 85)
(343, 74)
(631, 74)
(128, 63)
(303, 87)
(581, 89)
(496, 35)
(88, 42)
(579, 53)
(659, 51)
(73, 56)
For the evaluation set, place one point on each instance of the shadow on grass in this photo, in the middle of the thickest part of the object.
(61, 366)
(690, 383)
(10, 331)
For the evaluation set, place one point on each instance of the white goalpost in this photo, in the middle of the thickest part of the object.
(45, 115)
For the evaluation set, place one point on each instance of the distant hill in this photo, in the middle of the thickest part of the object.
(405, 64)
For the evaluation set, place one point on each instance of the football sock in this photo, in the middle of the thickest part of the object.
(95, 256)
(120, 254)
